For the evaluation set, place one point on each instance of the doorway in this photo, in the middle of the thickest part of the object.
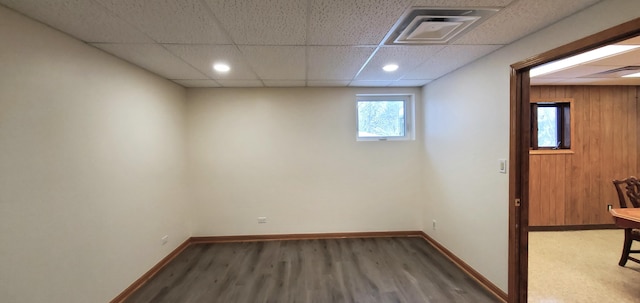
(520, 142)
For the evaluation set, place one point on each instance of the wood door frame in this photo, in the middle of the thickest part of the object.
(519, 133)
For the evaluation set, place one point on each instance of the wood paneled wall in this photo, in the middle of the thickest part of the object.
(575, 189)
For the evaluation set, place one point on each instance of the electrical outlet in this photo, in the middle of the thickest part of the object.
(262, 220)
(164, 239)
(434, 224)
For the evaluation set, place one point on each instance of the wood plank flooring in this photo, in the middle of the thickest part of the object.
(334, 270)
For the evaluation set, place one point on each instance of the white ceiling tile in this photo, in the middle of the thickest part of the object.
(240, 83)
(370, 83)
(336, 62)
(462, 3)
(154, 58)
(354, 22)
(197, 83)
(409, 83)
(276, 62)
(295, 42)
(204, 56)
(169, 21)
(328, 83)
(449, 59)
(615, 81)
(520, 19)
(587, 81)
(624, 59)
(268, 22)
(284, 83)
(577, 71)
(406, 57)
(85, 20)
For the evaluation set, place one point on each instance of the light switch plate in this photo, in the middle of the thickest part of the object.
(502, 166)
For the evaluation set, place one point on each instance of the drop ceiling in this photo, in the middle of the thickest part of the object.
(605, 71)
(287, 43)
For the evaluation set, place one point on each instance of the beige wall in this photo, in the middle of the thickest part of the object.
(467, 131)
(91, 168)
(92, 161)
(291, 155)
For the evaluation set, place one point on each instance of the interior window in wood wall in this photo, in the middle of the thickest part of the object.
(551, 125)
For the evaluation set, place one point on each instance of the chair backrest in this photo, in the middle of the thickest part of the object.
(628, 191)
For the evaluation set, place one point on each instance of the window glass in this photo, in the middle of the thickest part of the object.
(384, 117)
(381, 119)
(548, 127)
(551, 124)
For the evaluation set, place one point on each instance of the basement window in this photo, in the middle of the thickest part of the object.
(384, 117)
(551, 125)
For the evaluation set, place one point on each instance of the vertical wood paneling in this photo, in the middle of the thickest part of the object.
(635, 95)
(546, 187)
(574, 189)
(631, 122)
(544, 92)
(568, 193)
(592, 164)
(583, 153)
(607, 150)
(621, 137)
(535, 94)
(535, 217)
(558, 208)
(619, 131)
(552, 178)
(597, 183)
(579, 175)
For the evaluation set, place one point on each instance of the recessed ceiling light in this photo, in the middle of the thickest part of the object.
(595, 54)
(636, 75)
(390, 67)
(221, 67)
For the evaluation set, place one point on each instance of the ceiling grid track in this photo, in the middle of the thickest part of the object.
(293, 43)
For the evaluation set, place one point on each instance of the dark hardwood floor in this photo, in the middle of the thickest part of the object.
(335, 270)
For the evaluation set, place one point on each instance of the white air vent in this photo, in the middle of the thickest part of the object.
(420, 25)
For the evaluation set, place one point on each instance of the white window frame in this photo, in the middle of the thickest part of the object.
(409, 115)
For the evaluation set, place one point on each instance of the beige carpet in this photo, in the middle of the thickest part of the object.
(581, 266)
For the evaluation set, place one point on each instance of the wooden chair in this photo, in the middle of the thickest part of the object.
(629, 196)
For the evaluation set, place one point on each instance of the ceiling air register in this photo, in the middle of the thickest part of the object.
(615, 73)
(420, 25)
